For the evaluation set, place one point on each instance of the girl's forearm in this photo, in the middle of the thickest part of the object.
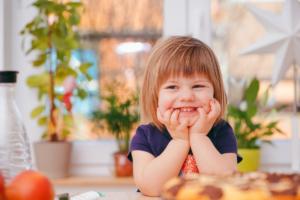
(208, 159)
(163, 167)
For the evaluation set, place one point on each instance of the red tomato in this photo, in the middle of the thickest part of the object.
(30, 185)
(2, 186)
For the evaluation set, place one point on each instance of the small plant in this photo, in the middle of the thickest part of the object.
(119, 114)
(243, 117)
(53, 38)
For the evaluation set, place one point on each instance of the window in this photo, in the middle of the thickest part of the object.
(116, 37)
(235, 28)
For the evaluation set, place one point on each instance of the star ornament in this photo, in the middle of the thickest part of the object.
(282, 38)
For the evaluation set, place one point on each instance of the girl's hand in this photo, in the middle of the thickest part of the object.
(206, 120)
(178, 130)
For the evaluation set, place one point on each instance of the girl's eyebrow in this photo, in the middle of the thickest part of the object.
(171, 81)
(201, 81)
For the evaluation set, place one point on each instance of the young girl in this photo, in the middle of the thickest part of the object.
(183, 102)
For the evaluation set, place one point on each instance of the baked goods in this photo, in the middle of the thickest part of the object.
(247, 186)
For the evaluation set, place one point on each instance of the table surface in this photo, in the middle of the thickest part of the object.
(126, 196)
(115, 196)
(93, 181)
(97, 184)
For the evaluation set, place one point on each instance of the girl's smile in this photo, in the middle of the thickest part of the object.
(186, 94)
(187, 111)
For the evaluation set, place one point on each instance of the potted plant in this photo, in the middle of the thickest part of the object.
(248, 127)
(53, 38)
(118, 115)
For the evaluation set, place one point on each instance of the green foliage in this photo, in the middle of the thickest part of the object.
(119, 115)
(243, 118)
(53, 38)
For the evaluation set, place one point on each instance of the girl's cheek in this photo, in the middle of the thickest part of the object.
(164, 106)
(206, 105)
(205, 101)
(162, 110)
(208, 96)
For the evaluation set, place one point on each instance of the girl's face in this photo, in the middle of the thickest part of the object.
(186, 94)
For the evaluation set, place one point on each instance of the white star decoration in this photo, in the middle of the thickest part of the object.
(283, 37)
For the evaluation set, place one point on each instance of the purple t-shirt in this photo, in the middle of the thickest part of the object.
(150, 139)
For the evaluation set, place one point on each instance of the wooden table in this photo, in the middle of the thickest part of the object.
(120, 196)
(111, 188)
(94, 181)
(75, 185)
(126, 196)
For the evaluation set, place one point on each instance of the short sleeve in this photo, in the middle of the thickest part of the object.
(226, 142)
(139, 142)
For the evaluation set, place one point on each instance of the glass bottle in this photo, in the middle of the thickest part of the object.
(15, 153)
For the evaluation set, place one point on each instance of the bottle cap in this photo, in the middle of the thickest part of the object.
(8, 76)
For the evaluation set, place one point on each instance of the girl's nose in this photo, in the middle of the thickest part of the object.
(186, 95)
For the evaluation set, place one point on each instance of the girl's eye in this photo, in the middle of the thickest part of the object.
(198, 86)
(171, 87)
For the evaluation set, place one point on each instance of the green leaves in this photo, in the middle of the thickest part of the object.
(52, 36)
(247, 126)
(42, 121)
(250, 97)
(39, 82)
(119, 114)
(82, 94)
(74, 18)
(251, 109)
(84, 67)
(37, 111)
(252, 91)
(40, 60)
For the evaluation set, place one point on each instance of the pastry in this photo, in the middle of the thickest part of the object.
(247, 186)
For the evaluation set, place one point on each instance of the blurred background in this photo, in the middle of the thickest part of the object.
(116, 37)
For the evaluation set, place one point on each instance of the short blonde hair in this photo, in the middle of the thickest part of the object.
(175, 56)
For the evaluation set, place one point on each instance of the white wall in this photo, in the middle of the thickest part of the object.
(188, 17)
(1, 33)
(7, 38)
(277, 157)
(94, 158)
(175, 20)
(16, 14)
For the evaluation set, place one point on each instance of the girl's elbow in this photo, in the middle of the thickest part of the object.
(148, 189)
(150, 192)
(229, 170)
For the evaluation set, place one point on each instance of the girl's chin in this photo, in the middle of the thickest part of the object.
(191, 119)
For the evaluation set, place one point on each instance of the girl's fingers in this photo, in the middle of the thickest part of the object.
(215, 109)
(202, 113)
(192, 121)
(174, 117)
(165, 117)
(159, 116)
(184, 124)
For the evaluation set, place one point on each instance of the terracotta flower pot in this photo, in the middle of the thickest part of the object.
(123, 167)
(53, 158)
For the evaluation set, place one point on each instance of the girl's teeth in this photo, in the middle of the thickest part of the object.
(186, 109)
